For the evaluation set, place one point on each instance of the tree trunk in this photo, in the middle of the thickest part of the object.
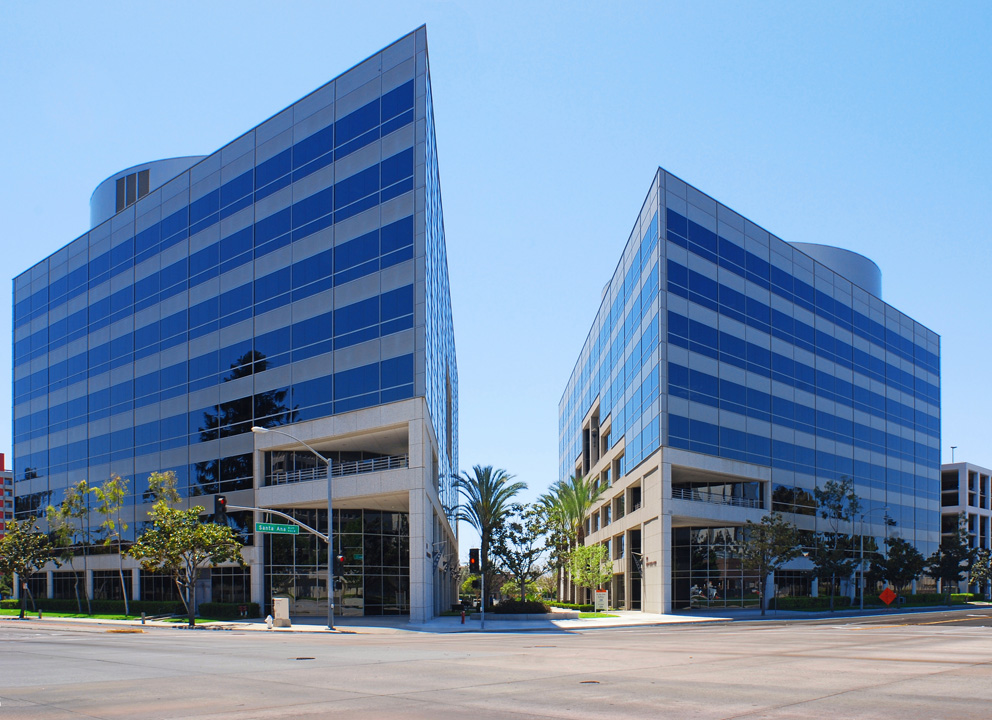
(89, 608)
(75, 587)
(86, 549)
(127, 607)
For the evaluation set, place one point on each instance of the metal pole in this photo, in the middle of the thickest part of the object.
(862, 569)
(330, 552)
(330, 520)
(861, 587)
(482, 576)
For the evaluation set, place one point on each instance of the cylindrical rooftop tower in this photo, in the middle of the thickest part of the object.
(857, 268)
(127, 186)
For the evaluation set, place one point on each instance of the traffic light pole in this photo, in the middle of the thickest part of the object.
(330, 552)
(326, 538)
(329, 539)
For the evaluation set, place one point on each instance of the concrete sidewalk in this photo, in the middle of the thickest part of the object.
(402, 624)
(443, 625)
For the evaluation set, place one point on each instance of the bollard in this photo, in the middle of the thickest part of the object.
(142, 618)
(463, 616)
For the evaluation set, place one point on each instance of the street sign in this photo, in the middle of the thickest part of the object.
(277, 529)
(602, 601)
(887, 596)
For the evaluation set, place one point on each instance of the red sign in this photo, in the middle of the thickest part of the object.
(887, 596)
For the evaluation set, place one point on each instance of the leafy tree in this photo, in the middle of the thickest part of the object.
(64, 522)
(111, 497)
(981, 569)
(488, 496)
(953, 558)
(590, 566)
(179, 544)
(470, 586)
(517, 546)
(23, 550)
(546, 586)
(833, 555)
(767, 545)
(902, 563)
(511, 587)
(566, 506)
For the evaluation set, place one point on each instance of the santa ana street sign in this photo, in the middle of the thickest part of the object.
(278, 529)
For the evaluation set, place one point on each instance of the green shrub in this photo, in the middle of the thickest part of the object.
(229, 610)
(810, 603)
(572, 606)
(520, 607)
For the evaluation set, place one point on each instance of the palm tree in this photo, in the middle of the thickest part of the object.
(566, 505)
(487, 503)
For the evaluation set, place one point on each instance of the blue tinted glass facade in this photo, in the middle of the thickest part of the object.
(278, 280)
(718, 338)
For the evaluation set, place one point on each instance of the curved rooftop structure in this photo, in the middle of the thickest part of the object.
(855, 267)
(124, 188)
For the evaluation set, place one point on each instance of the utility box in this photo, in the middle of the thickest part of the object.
(280, 612)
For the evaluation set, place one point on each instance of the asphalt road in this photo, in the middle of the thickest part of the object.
(933, 665)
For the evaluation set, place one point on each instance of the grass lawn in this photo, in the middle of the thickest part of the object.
(583, 616)
(29, 613)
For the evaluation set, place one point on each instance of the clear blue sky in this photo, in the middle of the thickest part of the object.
(863, 125)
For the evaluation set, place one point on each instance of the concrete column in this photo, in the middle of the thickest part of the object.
(814, 588)
(665, 561)
(257, 567)
(421, 605)
(135, 583)
(770, 591)
(17, 586)
(50, 584)
(89, 584)
(654, 593)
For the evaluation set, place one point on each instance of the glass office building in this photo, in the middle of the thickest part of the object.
(729, 373)
(294, 279)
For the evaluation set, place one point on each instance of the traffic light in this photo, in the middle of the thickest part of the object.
(338, 568)
(473, 561)
(220, 509)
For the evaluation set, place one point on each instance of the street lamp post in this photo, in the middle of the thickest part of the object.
(330, 520)
(862, 564)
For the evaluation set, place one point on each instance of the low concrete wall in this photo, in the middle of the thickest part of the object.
(567, 615)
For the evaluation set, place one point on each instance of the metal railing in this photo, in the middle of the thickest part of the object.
(338, 469)
(717, 499)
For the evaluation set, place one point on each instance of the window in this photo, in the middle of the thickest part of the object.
(131, 188)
